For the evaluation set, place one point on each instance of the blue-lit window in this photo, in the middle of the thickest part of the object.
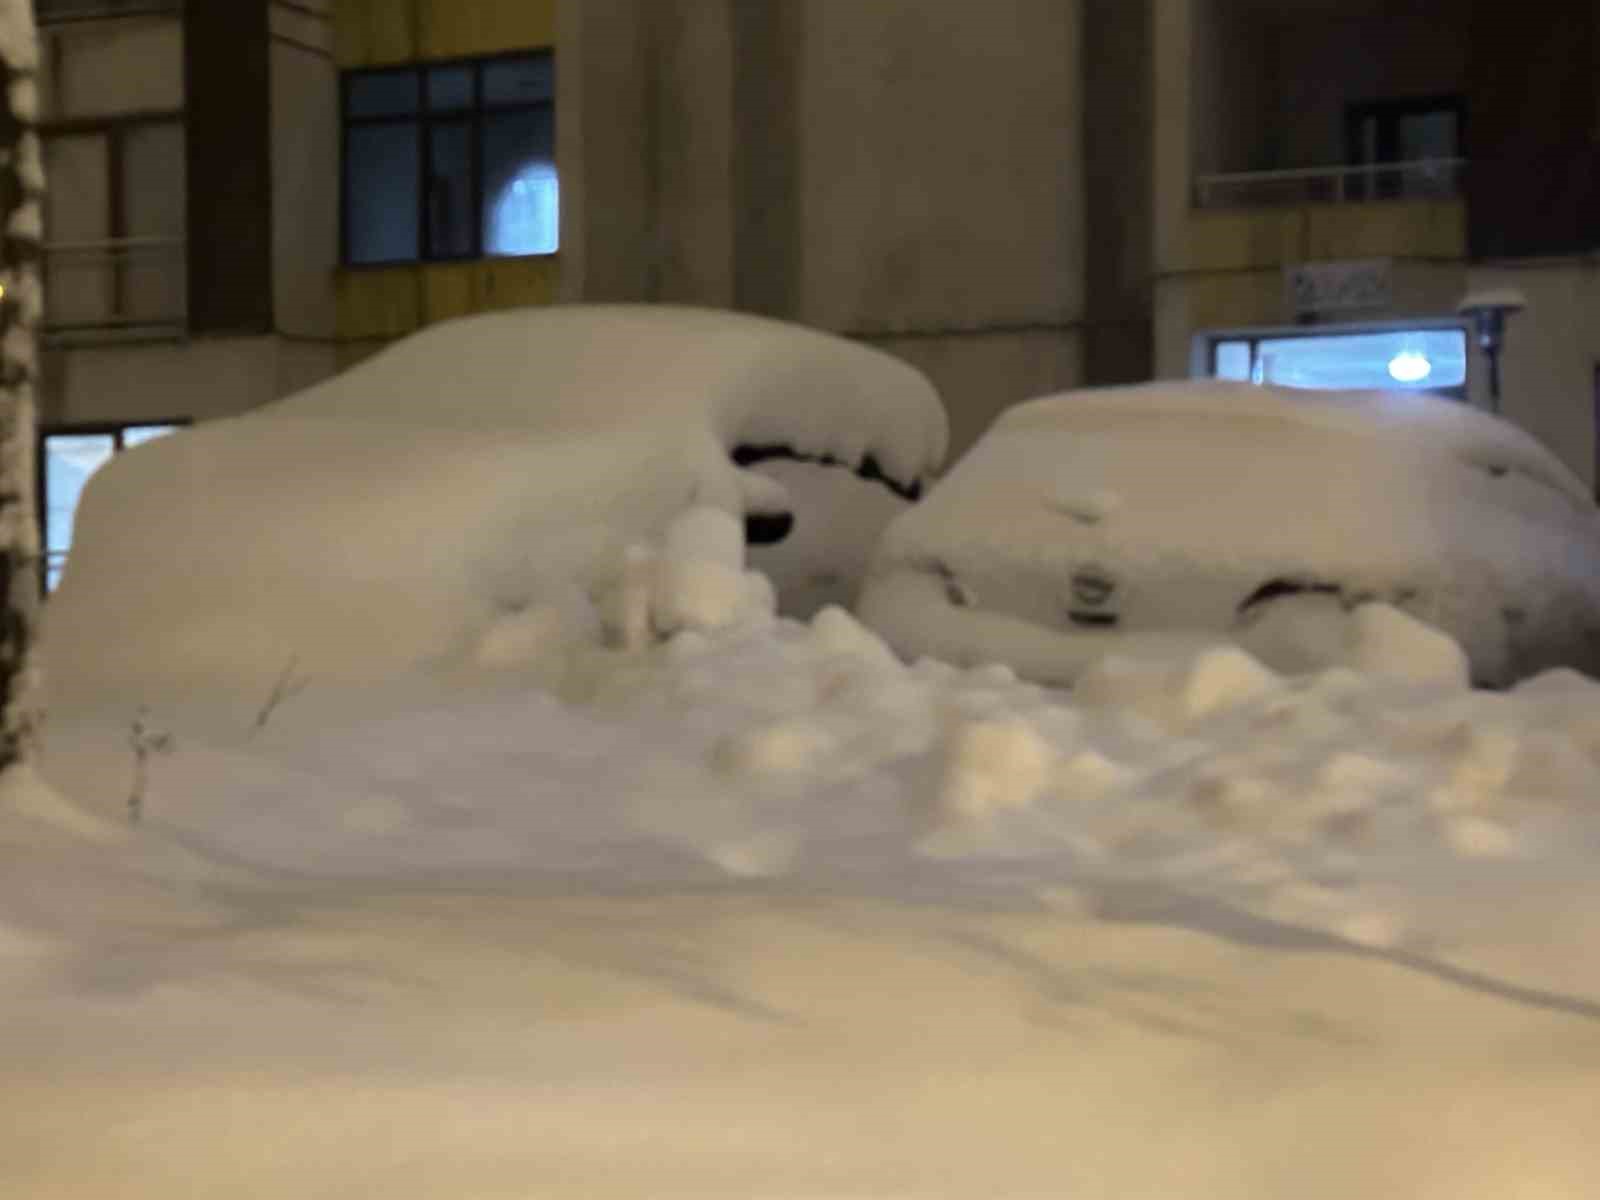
(67, 458)
(1419, 359)
(451, 161)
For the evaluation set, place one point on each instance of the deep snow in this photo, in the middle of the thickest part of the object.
(642, 891)
(762, 911)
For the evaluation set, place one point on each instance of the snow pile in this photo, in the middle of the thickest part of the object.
(738, 889)
(556, 826)
(482, 469)
(1091, 519)
(758, 746)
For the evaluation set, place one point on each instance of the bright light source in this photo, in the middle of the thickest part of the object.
(1409, 367)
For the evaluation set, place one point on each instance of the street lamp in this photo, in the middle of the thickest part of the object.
(1489, 310)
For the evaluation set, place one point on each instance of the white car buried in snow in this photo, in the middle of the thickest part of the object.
(1112, 519)
(484, 468)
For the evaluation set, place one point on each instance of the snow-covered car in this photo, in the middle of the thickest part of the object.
(1113, 519)
(537, 446)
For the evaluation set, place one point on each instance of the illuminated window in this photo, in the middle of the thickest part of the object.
(1405, 358)
(67, 458)
(451, 161)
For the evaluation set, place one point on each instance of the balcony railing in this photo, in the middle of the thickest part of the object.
(62, 12)
(121, 289)
(1423, 179)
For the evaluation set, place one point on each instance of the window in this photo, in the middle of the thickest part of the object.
(1422, 130)
(1420, 358)
(67, 458)
(451, 161)
(114, 226)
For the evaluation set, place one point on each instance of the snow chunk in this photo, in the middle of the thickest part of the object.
(708, 535)
(1387, 642)
(24, 97)
(19, 38)
(839, 634)
(781, 748)
(1479, 837)
(992, 766)
(700, 580)
(27, 222)
(1223, 678)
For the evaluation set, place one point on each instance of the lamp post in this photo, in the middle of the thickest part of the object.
(1488, 311)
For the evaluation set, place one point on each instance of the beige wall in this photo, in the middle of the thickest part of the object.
(940, 165)
(212, 377)
(1552, 351)
(981, 375)
(305, 169)
(1232, 88)
(905, 171)
(99, 68)
(1399, 50)
(373, 32)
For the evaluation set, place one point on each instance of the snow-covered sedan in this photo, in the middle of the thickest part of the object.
(532, 449)
(1113, 519)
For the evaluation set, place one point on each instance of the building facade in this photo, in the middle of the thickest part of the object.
(1016, 197)
(1421, 154)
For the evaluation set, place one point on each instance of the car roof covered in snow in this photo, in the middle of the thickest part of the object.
(1404, 421)
(580, 368)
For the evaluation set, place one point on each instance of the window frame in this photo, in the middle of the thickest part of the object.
(425, 120)
(1203, 348)
(1389, 113)
(114, 130)
(117, 431)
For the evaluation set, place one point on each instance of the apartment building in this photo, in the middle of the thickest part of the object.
(1330, 179)
(1017, 197)
(190, 226)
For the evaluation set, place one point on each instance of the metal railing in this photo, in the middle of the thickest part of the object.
(1430, 178)
(116, 289)
(62, 12)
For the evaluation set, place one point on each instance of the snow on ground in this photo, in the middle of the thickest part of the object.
(641, 890)
(759, 910)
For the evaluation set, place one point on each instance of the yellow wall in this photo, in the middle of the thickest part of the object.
(374, 32)
(390, 302)
(1234, 239)
(1229, 264)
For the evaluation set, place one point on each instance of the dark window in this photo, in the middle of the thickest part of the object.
(451, 161)
(67, 458)
(1424, 130)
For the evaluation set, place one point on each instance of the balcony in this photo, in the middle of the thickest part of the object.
(66, 12)
(1421, 179)
(127, 289)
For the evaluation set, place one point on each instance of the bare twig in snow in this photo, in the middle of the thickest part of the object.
(289, 684)
(145, 742)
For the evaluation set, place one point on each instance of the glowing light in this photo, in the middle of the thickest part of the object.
(1409, 367)
(525, 216)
